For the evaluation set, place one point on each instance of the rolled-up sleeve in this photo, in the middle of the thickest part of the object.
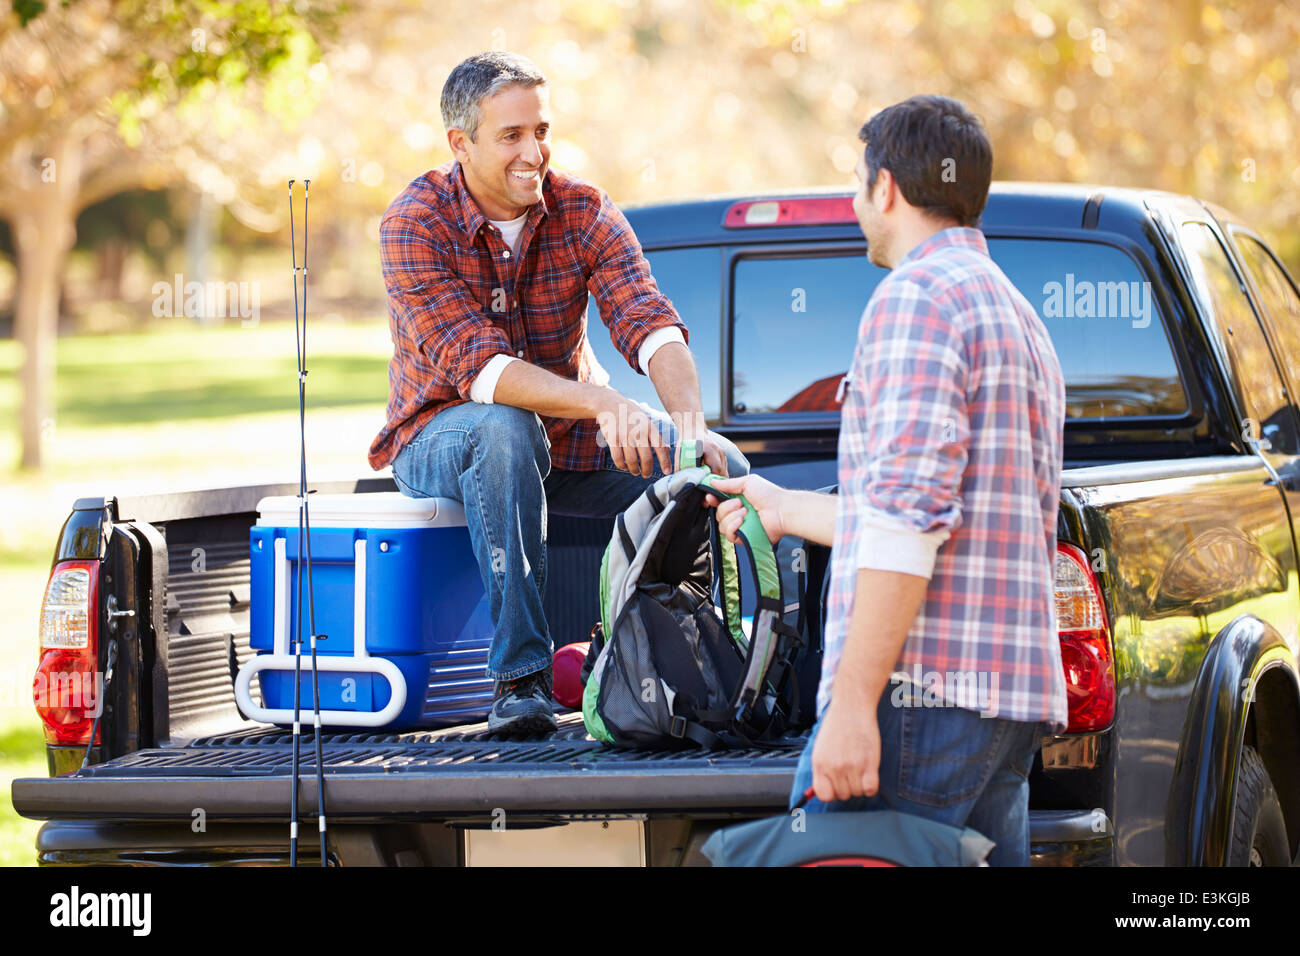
(628, 297)
(435, 307)
(909, 412)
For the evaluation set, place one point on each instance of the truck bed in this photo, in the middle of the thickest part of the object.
(464, 770)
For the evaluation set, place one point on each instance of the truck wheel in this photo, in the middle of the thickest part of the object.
(1258, 828)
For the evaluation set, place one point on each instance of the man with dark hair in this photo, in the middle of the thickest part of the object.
(495, 397)
(928, 140)
(944, 528)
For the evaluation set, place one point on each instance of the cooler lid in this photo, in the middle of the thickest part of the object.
(381, 509)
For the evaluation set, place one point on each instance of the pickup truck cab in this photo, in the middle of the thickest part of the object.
(1179, 335)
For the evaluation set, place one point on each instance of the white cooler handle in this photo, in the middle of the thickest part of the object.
(337, 718)
(358, 660)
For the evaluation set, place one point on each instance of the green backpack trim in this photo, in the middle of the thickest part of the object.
(759, 547)
(591, 692)
(729, 570)
(762, 557)
(590, 715)
(604, 592)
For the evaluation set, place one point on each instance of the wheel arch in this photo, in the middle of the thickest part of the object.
(1246, 692)
(1272, 728)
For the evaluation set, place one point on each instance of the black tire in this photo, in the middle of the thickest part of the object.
(1258, 828)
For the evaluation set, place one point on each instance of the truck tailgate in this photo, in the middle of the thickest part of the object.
(463, 771)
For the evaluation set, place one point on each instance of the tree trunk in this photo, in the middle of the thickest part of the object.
(44, 227)
(110, 263)
(198, 252)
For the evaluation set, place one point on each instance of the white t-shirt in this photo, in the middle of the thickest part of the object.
(511, 230)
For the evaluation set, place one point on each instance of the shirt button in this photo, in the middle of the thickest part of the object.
(506, 254)
(520, 353)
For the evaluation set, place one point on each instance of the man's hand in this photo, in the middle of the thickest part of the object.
(846, 756)
(708, 452)
(672, 370)
(633, 440)
(766, 498)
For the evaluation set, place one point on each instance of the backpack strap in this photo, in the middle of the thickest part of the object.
(681, 727)
(814, 584)
(769, 632)
(729, 588)
(690, 454)
(785, 683)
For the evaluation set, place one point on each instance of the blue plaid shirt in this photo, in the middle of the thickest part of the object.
(953, 422)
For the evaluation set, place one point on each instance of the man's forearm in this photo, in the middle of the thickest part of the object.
(809, 514)
(537, 390)
(672, 370)
(885, 604)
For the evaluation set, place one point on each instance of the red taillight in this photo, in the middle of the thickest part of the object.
(822, 210)
(67, 687)
(1085, 642)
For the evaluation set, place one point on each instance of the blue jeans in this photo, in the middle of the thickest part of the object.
(949, 765)
(495, 460)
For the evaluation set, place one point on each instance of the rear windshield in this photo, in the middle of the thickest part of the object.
(691, 278)
(796, 321)
(796, 316)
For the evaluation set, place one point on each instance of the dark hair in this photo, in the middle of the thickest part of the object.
(479, 77)
(937, 152)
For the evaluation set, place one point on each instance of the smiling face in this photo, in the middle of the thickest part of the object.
(505, 163)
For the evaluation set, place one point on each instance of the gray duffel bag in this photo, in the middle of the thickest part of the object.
(865, 838)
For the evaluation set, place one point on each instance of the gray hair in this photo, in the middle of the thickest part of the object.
(479, 77)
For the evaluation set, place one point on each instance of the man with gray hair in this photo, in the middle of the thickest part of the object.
(495, 398)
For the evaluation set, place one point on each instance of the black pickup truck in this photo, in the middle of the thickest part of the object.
(1179, 334)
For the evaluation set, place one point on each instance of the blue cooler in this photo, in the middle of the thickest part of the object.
(398, 592)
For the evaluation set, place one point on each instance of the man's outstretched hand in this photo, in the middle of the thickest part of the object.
(765, 497)
(634, 441)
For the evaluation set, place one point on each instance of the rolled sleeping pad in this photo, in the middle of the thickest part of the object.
(566, 672)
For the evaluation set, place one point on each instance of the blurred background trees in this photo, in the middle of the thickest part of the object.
(99, 98)
(141, 139)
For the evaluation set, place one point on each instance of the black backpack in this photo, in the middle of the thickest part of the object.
(674, 667)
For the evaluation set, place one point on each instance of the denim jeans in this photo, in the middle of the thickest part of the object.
(949, 765)
(495, 460)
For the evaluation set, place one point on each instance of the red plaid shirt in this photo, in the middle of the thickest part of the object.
(457, 296)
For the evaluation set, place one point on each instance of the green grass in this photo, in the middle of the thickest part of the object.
(22, 754)
(173, 407)
(195, 373)
(180, 406)
(22, 746)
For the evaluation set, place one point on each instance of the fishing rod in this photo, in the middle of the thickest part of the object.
(304, 534)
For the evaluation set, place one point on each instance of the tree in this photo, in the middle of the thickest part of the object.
(97, 97)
